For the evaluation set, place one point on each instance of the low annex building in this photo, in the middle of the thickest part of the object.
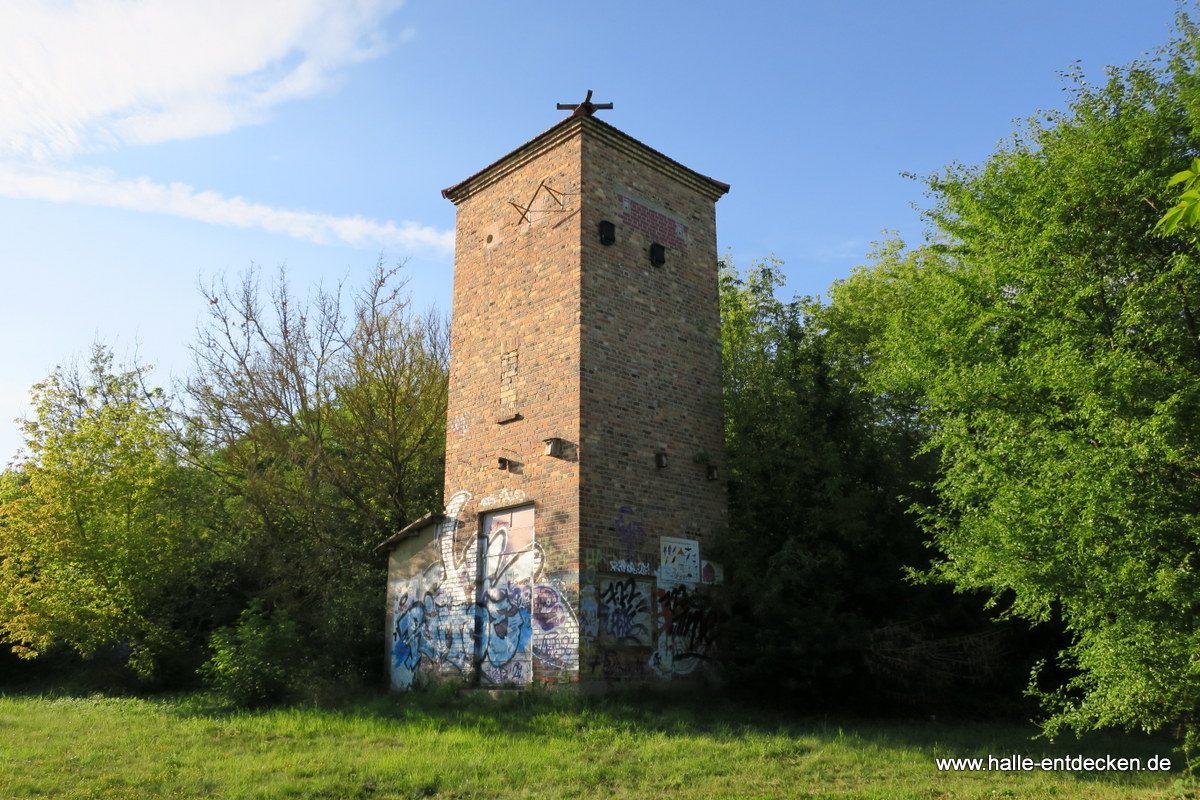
(584, 449)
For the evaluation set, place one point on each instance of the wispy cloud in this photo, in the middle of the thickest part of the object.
(93, 74)
(846, 250)
(100, 187)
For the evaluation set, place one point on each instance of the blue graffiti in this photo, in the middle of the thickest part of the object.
(443, 624)
(629, 531)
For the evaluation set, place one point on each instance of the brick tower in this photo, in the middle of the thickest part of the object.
(584, 446)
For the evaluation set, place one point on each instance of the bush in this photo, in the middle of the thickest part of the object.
(253, 661)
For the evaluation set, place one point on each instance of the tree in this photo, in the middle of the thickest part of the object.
(325, 426)
(99, 531)
(1186, 211)
(819, 540)
(1051, 344)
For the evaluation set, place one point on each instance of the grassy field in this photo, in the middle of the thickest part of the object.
(527, 746)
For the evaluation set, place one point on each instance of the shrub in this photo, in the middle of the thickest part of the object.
(253, 661)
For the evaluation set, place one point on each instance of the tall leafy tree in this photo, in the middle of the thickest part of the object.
(1051, 344)
(819, 541)
(324, 420)
(99, 530)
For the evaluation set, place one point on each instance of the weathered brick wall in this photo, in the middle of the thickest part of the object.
(557, 335)
(515, 353)
(650, 384)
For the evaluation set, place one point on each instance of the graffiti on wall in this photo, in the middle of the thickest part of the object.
(589, 604)
(445, 623)
(625, 606)
(506, 597)
(424, 629)
(502, 498)
(630, 567)
(686, 632)
(431, 624)
(629, 530)
(685, 623)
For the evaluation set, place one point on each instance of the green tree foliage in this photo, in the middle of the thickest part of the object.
(99, 531)
(1186, 211)
(1050, 344)
(312, 430)
(819, 539)
(324, 421)
(253, 661)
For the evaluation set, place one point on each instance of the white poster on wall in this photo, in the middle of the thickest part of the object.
(679, 561)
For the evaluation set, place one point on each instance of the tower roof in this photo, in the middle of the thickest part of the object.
(573, 126)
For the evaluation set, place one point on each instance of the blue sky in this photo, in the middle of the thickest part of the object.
(147, 146)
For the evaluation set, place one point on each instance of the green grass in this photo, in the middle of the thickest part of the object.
(527, 746)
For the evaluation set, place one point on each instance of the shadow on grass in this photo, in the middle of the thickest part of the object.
(714, 715)
(784, 736)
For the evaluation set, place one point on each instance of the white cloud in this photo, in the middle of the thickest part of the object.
(92, 74)
(845, 250)
(101, 187)
(88, 75)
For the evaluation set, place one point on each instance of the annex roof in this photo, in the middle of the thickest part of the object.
(412, 529)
